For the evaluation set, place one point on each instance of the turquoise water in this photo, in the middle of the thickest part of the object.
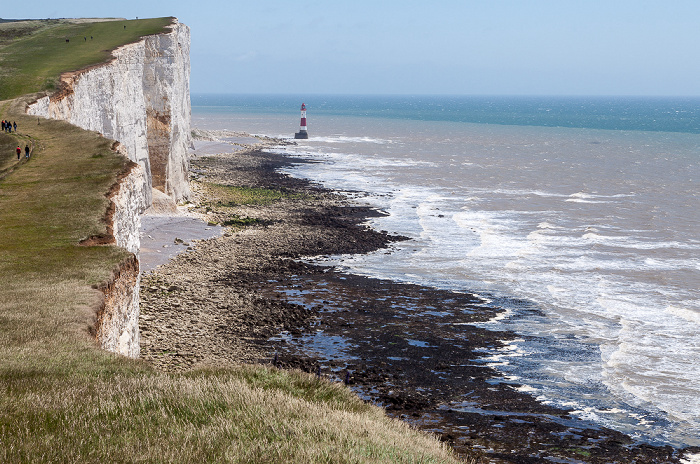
(586, 209)
(621, 113)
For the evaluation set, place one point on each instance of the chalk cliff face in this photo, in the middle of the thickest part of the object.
(141, 99)
(117, 326)
(166, 85)
(128, 205)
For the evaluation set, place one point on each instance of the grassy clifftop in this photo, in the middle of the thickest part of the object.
(35, 53)
(62, 399)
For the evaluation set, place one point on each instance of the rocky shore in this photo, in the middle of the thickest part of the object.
(244, 297)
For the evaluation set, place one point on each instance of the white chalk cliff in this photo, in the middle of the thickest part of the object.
(141, 99)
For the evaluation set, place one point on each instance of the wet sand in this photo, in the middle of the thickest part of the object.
(164, 236)
(244, 297)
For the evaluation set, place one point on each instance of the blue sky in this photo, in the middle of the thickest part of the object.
(467, 47)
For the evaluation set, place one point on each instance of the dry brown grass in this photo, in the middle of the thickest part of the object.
(238, 415)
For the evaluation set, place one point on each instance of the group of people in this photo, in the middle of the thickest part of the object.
(26, 151)
(7, 126)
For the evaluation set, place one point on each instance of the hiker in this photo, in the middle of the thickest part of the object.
(26, 151)
(15, 125)
(3, 125)
(19, 151)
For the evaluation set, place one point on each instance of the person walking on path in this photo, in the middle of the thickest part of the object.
(14, 124)
(19, 151)
(26, 151)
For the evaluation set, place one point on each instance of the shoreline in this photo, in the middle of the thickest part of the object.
(243, 298)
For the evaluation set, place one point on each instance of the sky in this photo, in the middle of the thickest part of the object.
(449, 47)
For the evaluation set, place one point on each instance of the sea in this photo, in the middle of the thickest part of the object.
(578, 217)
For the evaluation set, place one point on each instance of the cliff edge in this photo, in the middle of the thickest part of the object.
(141, 98)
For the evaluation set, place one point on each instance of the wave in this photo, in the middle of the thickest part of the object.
(346, 139)
(684, 313)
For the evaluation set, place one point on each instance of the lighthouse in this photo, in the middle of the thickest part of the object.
(302, 129)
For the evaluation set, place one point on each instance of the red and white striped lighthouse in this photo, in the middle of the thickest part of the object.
(302, 134)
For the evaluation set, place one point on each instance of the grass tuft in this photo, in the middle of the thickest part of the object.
(229, 196)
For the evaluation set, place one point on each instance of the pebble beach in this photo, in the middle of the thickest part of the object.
(246, 296)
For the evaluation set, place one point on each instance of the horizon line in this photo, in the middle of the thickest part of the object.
(514, 95)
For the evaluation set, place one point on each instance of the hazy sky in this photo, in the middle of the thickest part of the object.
(469, 47)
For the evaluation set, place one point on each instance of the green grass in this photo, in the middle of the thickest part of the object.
(33, 60)
(228, 195)
(14, 30)
(248, 414)
(62, 399)
(238, 221)
(8, 156)
(223, 201)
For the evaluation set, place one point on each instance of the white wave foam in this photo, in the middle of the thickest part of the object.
(586, 196)
(485, 300)
(525, 193)
(501, 355)
(594, 275)
(581, 200)
(501, 316)
(344, 161)
(556, 290)
(632, 243)
(346, 139)
(691, 459)
(526, 389)
(684, 313)
(581, 195)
